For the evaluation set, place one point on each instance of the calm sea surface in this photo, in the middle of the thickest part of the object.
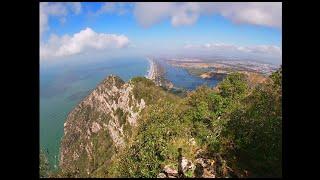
(62, 88)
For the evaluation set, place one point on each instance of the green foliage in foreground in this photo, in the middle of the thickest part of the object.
(160, 133)
(234, 121)
(256, 128)
(240, 122)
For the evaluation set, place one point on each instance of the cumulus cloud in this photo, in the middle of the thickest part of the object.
(57, 10)
(186, 14)
(257, 13)
(270, 51)
(113, 7)
(148, 13)
(83, 41)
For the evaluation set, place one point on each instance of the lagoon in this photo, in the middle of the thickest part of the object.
(63, 87)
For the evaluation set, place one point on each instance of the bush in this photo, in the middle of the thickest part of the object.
(256, 128)
(234, 86)
(43, 165)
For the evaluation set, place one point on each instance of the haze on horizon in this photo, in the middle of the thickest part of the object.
(88, 31)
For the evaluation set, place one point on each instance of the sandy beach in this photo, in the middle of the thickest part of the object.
(151, 71)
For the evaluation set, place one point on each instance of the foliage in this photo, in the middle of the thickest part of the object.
(241, 119)
(151, 147)
(43, 165)
(146, 89)
(234, 86)
(239, 122)
(277, 77)
(256, 128)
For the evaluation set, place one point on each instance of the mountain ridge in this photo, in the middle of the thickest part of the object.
(109, 109)
(138, 129)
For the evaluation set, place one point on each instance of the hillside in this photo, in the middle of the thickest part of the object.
(137, 129)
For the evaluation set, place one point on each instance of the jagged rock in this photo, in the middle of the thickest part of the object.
(170, 171)
(187, 165)
(101, 122)
(191, 166)
(208, 174)
(201, 162)
(184, 163)
(162, 175)
(95, 127)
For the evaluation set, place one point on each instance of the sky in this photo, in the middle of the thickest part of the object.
(87, 31)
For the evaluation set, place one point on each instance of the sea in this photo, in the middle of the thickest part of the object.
(63, 87)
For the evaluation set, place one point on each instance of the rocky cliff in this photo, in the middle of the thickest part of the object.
(138, 129)
(99, 127)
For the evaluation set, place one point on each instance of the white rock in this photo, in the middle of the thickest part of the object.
(170, 171)
(192, 141)
(184, 163)
(95, 127)
(161, 175)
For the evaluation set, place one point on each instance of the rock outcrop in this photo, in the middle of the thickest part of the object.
(201, 167)
(99, 127)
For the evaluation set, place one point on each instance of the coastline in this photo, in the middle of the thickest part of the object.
(151, 72)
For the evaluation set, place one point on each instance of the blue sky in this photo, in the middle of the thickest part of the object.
(160, 28)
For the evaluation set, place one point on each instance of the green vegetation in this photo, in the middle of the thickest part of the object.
(43, 165)
(240, 123)
(256, 128)
(234, 87)
(198, 71)
(146, 89)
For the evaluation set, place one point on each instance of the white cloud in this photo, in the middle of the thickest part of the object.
(257, 13)
(76, 7)
(149, 13)
(186, 14)
(83, 41)
(58, 10)
(46, 10)
(264, 49)
(108, 7)
(230, 49)
(113, 7)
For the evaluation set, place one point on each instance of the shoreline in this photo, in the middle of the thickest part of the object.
(151, 71)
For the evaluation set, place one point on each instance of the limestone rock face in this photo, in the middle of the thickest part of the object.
(201, 167)
(171, 172)
(162, 175)
(99, 126)
(187, 165)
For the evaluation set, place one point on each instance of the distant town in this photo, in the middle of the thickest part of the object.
(225, 66)
(207, 68)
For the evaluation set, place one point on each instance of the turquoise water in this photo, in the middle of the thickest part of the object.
(63, 87)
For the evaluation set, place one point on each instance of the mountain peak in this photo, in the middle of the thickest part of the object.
(113, 80)
(103, 121)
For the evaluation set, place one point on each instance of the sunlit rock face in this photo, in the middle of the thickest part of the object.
(99, 126)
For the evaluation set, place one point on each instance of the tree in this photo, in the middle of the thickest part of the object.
(256, 128)
(234, 86)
